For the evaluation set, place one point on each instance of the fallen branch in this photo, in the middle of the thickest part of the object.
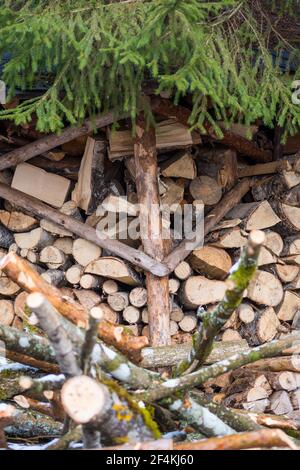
(49, 142)
(237, 282)
(198, 377)
(266, 439)
(136, 257)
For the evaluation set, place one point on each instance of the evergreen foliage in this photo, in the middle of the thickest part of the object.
(95, 55)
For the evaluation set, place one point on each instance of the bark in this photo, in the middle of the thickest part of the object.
(199, 377)
(151, 230)
(265, 438)
(238, 281)
(31, 424)
(50, 323)
(82, 230)
(64, 441)
(168, 356)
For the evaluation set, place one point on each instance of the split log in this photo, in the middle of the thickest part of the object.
(289, 306)
(255, 216)
(182, 165)
(232, 198)
(246, 313)
(114, 268)
(138, 297)
(84, 231)
(199, 290)
(287, 380)
(53, 258)
(46, 187)
(263, 168)
(8, 288)
(265, 289)
(51, 141)
(290, 218)
(206, 189)
(287, 272)
(17, 221)
(64, 244)
(174, 193)
(281, 403)
(118, 301)
(262, 329)
(36, 239)
(231, 335)
(274, 242)
(228, 238)
(87, 298)
(91, 188)
(70, 209)
(7, 312)
(212, 262)
(151, 230)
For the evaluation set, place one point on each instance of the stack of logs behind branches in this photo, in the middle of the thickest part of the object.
(59, 192)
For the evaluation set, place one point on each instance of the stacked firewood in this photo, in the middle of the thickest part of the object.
(90, 188)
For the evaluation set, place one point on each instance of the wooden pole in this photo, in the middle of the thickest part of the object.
(151, 231)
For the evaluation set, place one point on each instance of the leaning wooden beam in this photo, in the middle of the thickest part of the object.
(151, 231)
(186, 382)
(244, 146)
(82, 230)
(265, 438)
(212, 322)
(214, 217)
(49, 142)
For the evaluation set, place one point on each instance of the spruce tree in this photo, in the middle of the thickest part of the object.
(97, 55)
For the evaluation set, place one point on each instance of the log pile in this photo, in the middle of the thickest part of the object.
(68, 258)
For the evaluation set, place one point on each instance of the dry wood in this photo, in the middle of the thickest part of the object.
(273, 242)
(228, 238)
(7, 312)
(255, 215)
(231, 335)
(206, 189)
(74, 274)
(258, 406)
(199, 290)
(280, 403)
(287, 272)
(283, 380)
(131, 314)
(151, 230)
(64, 244)
(114, 268)
(289, 307)
(138, 297)
(174, 285)
(295, 399)
(182, 165)
(53, 258)
(218, 163)
(85, 252)
(118, 301)
(246, 313)
(54, 277)
(183, 271)
(290, 218)
(110, 287)
(47, 187)
(212, 262)
(265, 289)
(35, 239)
(177, 313)
(87, 298)
(174, 193)
(263, 168)
(232, 198)
(109, 314)
(169, 135)
(91, 188)
(51, 141)
(82, 230)
(89, 281)
(8, 288)
(70, 209)
(262, 329)
(278, 364)
(17, 221)
(188, 323)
